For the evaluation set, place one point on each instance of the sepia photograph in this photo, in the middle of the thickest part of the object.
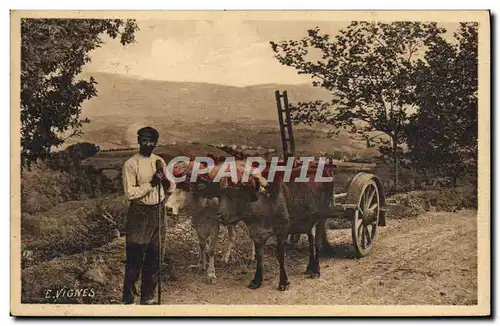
(250, 163)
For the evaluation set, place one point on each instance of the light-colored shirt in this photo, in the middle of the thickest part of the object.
(136, 177)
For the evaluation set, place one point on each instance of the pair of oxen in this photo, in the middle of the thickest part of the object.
(276, 207)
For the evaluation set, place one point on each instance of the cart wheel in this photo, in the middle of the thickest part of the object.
(365, 192)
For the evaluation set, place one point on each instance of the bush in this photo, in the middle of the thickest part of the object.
(414, 203)
(43, 188)
(408, 179)
(61, 178)
(72, 227)
(71, 156)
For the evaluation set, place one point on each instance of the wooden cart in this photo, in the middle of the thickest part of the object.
(363, 203)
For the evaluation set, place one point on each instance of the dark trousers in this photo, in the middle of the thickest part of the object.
(142, 252)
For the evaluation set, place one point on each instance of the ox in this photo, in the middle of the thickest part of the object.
(200, 201)
(278, 208)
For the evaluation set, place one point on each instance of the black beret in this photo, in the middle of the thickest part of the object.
(148, 130)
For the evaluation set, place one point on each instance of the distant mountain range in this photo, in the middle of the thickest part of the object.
(201, 112)
(123, 96)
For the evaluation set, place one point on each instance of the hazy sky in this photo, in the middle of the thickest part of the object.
(231, 52)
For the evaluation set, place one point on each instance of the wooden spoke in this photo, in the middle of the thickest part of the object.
(372, 195)
(361, 233)
(367, 236)
(372, 228)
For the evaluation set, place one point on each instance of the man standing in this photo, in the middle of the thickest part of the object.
(140, 183)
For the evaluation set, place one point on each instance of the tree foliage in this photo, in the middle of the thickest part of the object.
(368, 67)
(53, 52)
(72, 156)
(442, 138)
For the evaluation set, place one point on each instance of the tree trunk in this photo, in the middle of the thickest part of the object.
(395, 163)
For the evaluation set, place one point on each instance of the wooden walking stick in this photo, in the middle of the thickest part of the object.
(159, 168)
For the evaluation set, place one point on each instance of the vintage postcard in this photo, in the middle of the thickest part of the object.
(250, 163)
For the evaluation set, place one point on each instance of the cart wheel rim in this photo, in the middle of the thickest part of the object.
(366, 218)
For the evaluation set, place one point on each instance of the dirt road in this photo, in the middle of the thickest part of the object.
(431, 259)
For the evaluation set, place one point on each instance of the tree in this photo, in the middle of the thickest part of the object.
(368, 69)
(81, 151)
(442, 137)
(71, 157)
(53, 52)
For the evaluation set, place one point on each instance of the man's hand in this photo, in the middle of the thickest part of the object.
(157, 178)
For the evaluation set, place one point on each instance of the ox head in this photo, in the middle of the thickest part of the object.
(201, 192)
(175, 202)
(235, 195)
